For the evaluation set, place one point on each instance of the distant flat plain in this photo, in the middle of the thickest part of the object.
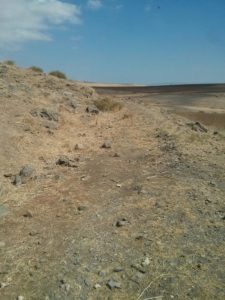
(198, 102)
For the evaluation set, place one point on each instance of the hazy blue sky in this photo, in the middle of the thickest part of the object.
(142, 41)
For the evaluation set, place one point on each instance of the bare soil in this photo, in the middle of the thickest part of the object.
(146, 213)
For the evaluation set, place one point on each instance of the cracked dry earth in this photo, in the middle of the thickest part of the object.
(143, 219)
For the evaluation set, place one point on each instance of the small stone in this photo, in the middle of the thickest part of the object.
(106, 145)
(197, 126)
(20, 298)
(138, 268)
(27, 173)
(27, 214)
(3, 285)
(122, 222)
(97, 286)
(118, 269)
(137, 278)
(82, 208)
(116, 155)
(17, 180)
(92, 109)
(102, 273)
(145, 262)
(112, 284)
(66, 162)
(45, 114)
(78, 147)
(72, 103)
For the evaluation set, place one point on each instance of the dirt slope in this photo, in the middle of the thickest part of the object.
(141, 218)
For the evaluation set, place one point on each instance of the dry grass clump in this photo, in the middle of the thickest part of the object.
(58, 74)
(36, 69)
(107, 104)
(9, 62)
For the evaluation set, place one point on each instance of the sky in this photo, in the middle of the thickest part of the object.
(120, 41)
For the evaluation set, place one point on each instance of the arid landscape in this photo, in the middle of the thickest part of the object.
(110, 192)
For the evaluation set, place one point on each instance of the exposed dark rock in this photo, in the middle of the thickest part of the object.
(66, 162)
(92, 109)
(45, 114)
(106, 145)
(27, 214)
(197, 126)
(72, 103)
(122, 222)
(82, 208)
(17, 180)
(112, 284)
(78, 147)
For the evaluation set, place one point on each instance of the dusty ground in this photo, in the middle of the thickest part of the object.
(164, 182)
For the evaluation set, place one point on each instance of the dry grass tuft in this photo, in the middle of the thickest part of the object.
(36, 69)
(107, 104)
(58, 74)
(9, 62)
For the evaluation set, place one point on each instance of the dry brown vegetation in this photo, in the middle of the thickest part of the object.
(108, 104)
(58, 74)
(36, 69)
(142, 218)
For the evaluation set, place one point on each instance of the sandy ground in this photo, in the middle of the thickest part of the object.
(141, 219)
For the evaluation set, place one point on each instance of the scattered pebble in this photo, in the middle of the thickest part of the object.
(112, 284)
(116, 155)
(145, 262)
(28, 214)
(79, 147)
(92, 109)
(137, 278)
(118, 269)
(122, 222)
(66, 162)
(106, 145)
(3, 285)
(20, 298)
(82, 208)
(97, 286)
(17, 180)
(138, 268)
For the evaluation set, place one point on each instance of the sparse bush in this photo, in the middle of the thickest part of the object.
(36, 69)
(58, 74)
(9, 62)
(107, 104)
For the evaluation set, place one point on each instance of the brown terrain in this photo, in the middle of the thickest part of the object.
(113, 193)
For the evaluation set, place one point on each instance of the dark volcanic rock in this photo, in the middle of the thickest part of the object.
(66, 162)
(45, 114)
(106, 145)
(197, 126)
(122, 222)
(92, 109)
(112, 284)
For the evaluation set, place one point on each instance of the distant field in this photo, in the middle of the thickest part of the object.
(197, 88)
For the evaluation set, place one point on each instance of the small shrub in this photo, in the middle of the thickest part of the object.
(107, 104)
(58, 74)
(9, 62)
(36, 69)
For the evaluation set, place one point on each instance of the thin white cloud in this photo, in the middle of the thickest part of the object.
(94, 4)
(32, 20)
